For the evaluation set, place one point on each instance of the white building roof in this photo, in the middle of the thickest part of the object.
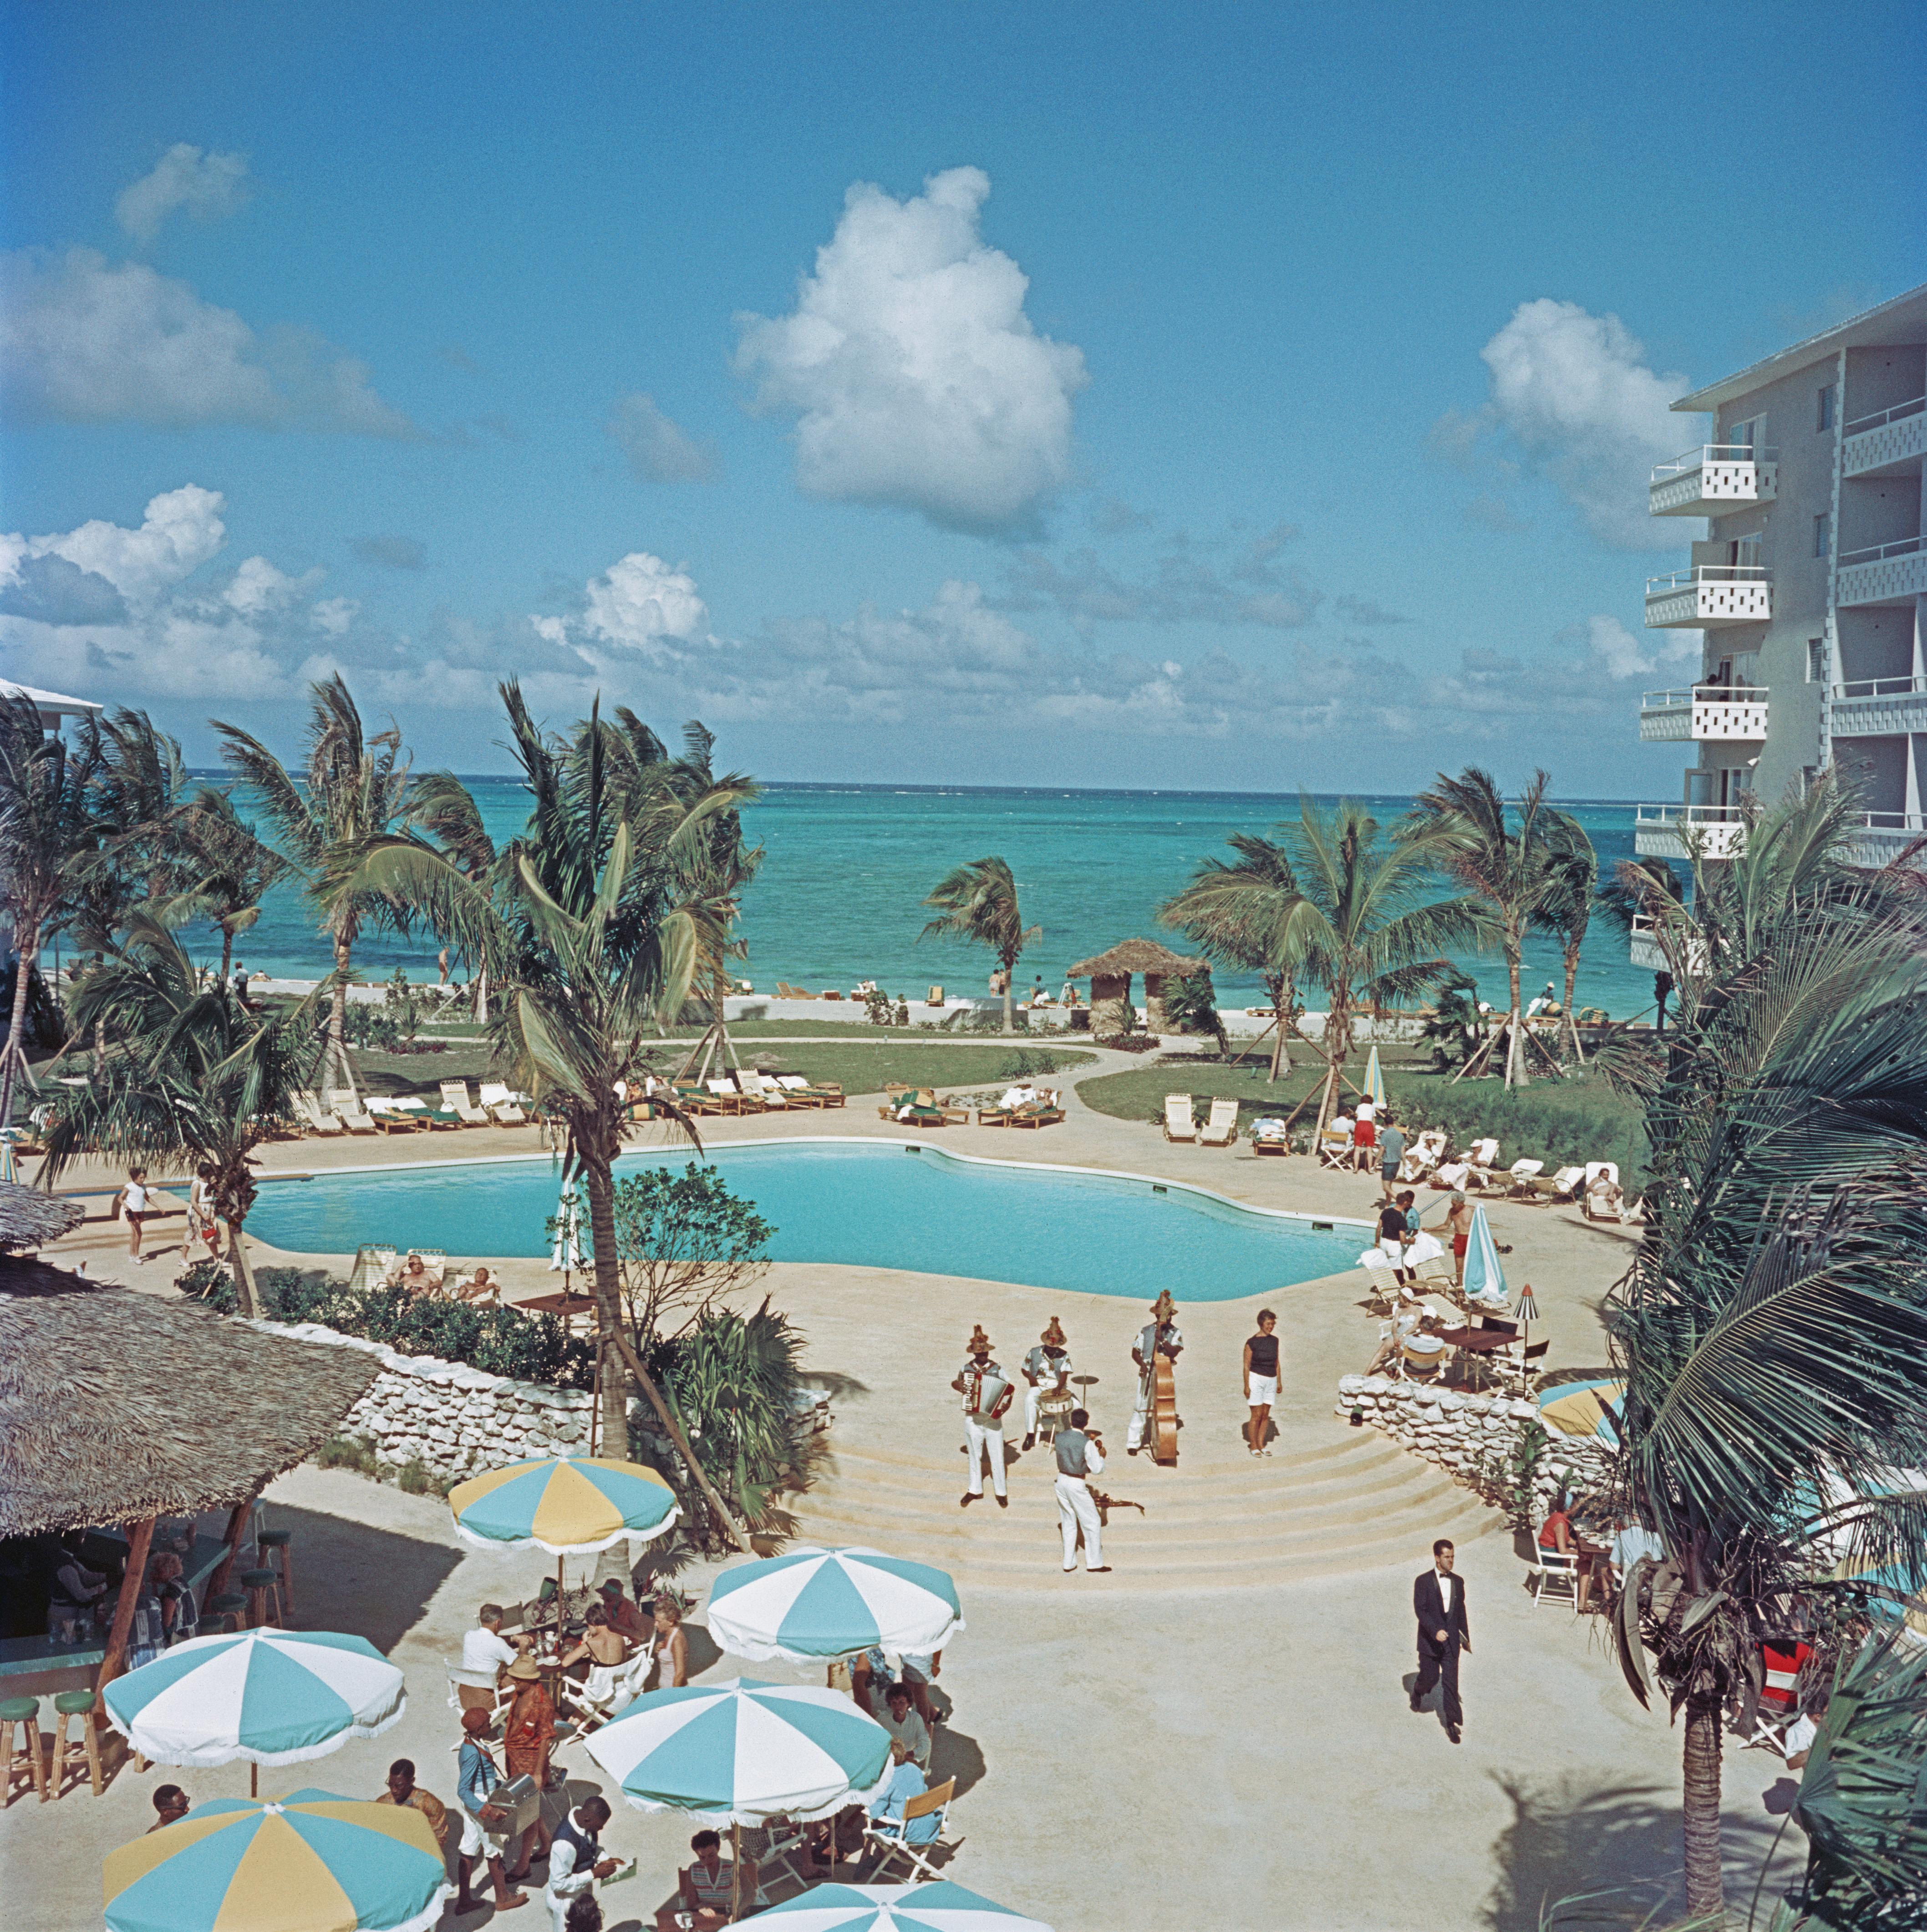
(1902, 319)
(54, 705)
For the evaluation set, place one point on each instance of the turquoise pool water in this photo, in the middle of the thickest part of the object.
(872, 1204)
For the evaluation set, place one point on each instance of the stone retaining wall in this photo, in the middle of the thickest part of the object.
(1456, 1432)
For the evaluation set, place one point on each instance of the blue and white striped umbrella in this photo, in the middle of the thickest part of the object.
(940, 1906)
(1485, 1279)
(742, 1752)
(270, 1696)
(812, 1603)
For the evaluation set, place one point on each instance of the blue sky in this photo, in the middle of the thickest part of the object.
(1240, 397)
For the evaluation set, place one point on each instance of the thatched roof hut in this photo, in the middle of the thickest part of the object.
(29, 1219)
(1110, 974)
(116, 1407)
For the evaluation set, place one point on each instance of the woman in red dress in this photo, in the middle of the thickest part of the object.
(527, 1737)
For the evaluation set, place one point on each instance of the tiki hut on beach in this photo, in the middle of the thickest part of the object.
(1110, 974)
(117, 1407)
(29, 1219)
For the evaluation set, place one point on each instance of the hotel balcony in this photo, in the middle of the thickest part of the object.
(1713, 481)
(1877, 707)
(1719, 712)
(1708, 595)
(1661, 831)
(1883, 836)
(1889, 573)
(1886, 442)
(1646, 953)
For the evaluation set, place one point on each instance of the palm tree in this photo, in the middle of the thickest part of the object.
(1771, 1329)
(978, 902)
(595, 923)
(193, 1077)
(1239, 915)
(48, 835)
(228, 871)
(138, 784)
(442, 806)
(1503, 865)
(1572, 886)
(353, 788)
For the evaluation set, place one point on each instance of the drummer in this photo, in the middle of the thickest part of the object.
(986, 1396)
(1046, 1371)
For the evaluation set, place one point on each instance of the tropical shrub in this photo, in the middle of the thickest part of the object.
(683, 1240)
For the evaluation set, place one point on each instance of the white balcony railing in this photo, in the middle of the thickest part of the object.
(1881, 418)
(1712, 480)
(1888, 443)
(1661, 831)
(1883, 836)
(1888, 573)
(1646, 951)
(1708, 595)
(1877, 687)
(1880, 552)
(1703, 711)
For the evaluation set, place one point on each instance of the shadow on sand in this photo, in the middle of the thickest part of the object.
(352, 1576)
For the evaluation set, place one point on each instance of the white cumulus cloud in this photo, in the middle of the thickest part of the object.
(202, 185)
(917, 378)
(641, 604)
(1574, 391)
(84, 340)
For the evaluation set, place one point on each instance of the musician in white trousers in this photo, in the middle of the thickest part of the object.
(987, 1395)
(1080, 1450)
(1047, 1370)
(1160, 1336)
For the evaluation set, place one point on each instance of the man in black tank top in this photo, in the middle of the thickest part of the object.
(1261, 1381)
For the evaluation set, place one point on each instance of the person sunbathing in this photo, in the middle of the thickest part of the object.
(417, 1277)
(480, 1286)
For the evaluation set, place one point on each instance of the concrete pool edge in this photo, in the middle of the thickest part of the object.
(1320, 1222)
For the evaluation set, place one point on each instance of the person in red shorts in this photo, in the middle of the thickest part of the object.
(1458, 1225)
(1364, 1135)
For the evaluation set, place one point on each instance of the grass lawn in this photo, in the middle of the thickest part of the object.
(1561, 1122)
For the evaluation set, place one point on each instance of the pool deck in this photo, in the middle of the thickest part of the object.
(1217, 1757)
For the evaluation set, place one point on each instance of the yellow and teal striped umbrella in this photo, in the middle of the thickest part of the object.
(1583, 1408)
(1374, 1080)
(568, 1505)
(312, 1862)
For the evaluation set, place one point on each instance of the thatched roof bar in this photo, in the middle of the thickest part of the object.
(29, 1219)
(1131, 956)
(116, 1406)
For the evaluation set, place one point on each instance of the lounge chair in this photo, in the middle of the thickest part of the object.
(935, 997)
(498, 1103)
(316, 1117)
(1040, 1113)
(1267, 1136)
(455, 1098)
(1522, 1174)
(1566, 1184)
(1178, 1123)
(1480, 1158)
(349, 1111)
(728, 1095)
(372, 1263)
(1221, 1130)
(1602, 1198)
(1423, 1155)
(393, 1115)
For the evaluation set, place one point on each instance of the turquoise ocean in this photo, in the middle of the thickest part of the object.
(845, 869)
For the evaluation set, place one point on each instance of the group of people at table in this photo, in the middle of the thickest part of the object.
(623, 1649)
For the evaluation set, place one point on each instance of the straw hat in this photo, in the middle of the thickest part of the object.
(1164, 1308)
(524, 1672)
(1053, 1337)
(979, 1343)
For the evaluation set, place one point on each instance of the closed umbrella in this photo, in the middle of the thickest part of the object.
(811, 1603)
(311, 1863)
(939, 1907)
(1374, 1080)
(1485, 1279)
(270, 1696)
(742, 1752)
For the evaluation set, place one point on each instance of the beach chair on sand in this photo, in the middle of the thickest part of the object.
(1178, 1123)
(1335, 1148)
(1221, 1130)
(895, 1839)
(498, 1103)
(935, 998)
(1564, 1186)
(314, 1116)
(1044, 1111)
(372, 1263)
(455, 1098)
(349, 1111)
(1522, 1174)
(1480, 1158)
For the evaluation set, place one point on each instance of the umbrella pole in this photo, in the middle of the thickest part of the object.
(253, 1780)
(736, 1871)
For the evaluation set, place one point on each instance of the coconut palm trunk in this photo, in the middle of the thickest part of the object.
(16, 1024)
(1010, 972)
(1706, 1896)
(337, 1008)
(598, 1177)
(1515, 1057)
(1571, 1017)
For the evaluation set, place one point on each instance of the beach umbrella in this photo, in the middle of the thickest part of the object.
(1374, 1081)
(940, 1906)
(1583, 1408)
(811, 1603)
(567, 1505)
(1527, 1312)
(568, 1251)
(1485, 1279)
(312, 1862)
(741, 1752)
(271, 1696)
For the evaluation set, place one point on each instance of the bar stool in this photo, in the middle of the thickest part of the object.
(264, 1597)
(23, 1713)
(74, 1704)
(230, 1610)
(266, 1543)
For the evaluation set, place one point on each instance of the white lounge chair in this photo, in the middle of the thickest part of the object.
(1178, 1123)
(455, 1098)
(1221, 1130)
(316, 1117)
(496, 1099)
(350, 1112)
(1480, 1158)
(1524, 1173)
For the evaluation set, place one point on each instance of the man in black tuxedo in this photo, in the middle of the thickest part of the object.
(1438, 1601)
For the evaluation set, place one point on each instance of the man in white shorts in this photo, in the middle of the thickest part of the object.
(1261, 1381)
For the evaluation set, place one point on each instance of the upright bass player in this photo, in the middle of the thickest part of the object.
(1160, 1336)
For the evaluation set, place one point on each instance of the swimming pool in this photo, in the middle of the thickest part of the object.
(865, 1203)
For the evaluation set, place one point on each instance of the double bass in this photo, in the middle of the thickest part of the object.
(1164, 1417)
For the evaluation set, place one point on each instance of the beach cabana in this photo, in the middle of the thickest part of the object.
(1111, 975)
(118, 1408)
